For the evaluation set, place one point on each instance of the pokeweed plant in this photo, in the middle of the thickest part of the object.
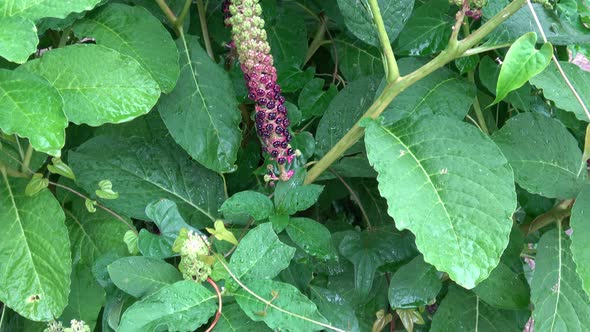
(302, 165)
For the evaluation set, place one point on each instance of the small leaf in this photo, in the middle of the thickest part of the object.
(106, 190)
(313, 237)
(18, 38)
(523, 62)
(182, 306)
(130, 239)
(141, 276)
(90, 205)
(221, 233)
(61, 168)
(37, 183)
(580, 236)
(296, 199)
(252, 203)
(414, 285)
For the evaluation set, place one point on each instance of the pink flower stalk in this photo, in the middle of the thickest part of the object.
(260, 74)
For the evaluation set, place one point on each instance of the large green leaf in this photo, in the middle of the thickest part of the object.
(359, 19)
(287, 298)
(93, 234)
(300, 198)
(336, 309)
(260, 255)
(344, 111)
(30, 107)
(35, 261)
(461, 310)
(133, 31)
(235, 320)
(440, 175)
(142, 276)
(556, 169)
(522, 62)
(427, 31)
(555, 89)
(18, 38)
(561, 304)
(414, 284)
(86, 297)
(287, 37)
(313, 99)
(36, 9)
(145, 171)
(202, 112)
(253, 203)
(182, 306)
(99, 85)
(313, 237)
(356, 60)
(581, 235)
(442, 92)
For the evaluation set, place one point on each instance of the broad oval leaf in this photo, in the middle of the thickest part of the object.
(87, 297)
(31, 108)
(142, 276)
(522, 62)
(35, 261)
(287, 298)
(202, 112)
(18, 38)
(414, 284)
(99, 85)
(133, 31)
(313, 237)
(580, 236)
(235, 320)
(555, 89)
(443, 176)
(182, 306)
(561, 304)
(556, 169)
(356, 60)
(144, 171)
(359, 18)
(253, 203)
(36, 9)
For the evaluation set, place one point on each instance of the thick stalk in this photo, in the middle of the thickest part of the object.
(395, 88)
(392, 69)
(167, 11)
(204, 28)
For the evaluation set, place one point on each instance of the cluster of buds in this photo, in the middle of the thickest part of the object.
(475, 7)
(193, 248)
(272, 123)
(75, 326)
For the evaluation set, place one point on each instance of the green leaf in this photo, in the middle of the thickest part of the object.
(287, 37)
(35, 9)
(287, 298)
(443, 176)
(234, 319)
(202, 112)
(18, 38)
(93, 234)
(414, 285)
(36, 184)
(332, 306)
(561, 304)
(142, 276)
(555, 89)
(556, 170)
(313, 237)
(57, 166)
(442, 92)
(461, 310)
(260, 255)
(182, 306)
(133, 31)
(296, 199)
(428, 30)
(144, 171)
(221, 233)
(25, 99)
(35, 262)
(370, 250)
(86, 297)
(252, 203)
(580, 236)
(522, 62)
(344, 111)
(169, 221)
(313, 99)
(359, 19)
(488, 74)
(99, 85)
(106, 190)
(356, 59)
(131, 239)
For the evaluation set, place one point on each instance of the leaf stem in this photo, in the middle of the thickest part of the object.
(204, 28)
(556, 61)
(317, 41)
(481, 120)
(27, 158)
(483, 48)
(220, 306)
(393, 89)
(354, 197)
(556, 214)
(2, 316)
(390, 63)
(167, 11)
(64, 37)
(180, 19)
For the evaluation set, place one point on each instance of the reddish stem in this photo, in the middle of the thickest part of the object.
(218, 313)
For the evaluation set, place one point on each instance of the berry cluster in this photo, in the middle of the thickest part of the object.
(253, 50)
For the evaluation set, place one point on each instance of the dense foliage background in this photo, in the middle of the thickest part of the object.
(440, 189)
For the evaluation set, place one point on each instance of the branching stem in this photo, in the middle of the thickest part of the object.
(556, 214)
(390, 63)
(167, 11)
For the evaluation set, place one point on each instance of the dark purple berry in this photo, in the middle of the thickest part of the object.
(270, 105)
(274, 153)
(251, 95)
(286, 123)
(264, 79)
(284, 145)
(279, 121)
(281, 160)
(279, 130)
(269, 127)
(290, 152)
(262, 101)
(272, 115)
(277, 88)
(246, 77)
(276, 144)
(270, 86)
(281, 108)
(260, 92)
(281, 99)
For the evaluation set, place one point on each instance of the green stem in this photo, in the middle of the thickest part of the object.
(167, 11)
(64, 37)
(317, 41)
(396, 87)
(476, 106)
(203, 20)
(4, 169)
(2, 316)
(557, 214)
(483, 49)
(390, 63)
(180, 19)
(27, 158)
